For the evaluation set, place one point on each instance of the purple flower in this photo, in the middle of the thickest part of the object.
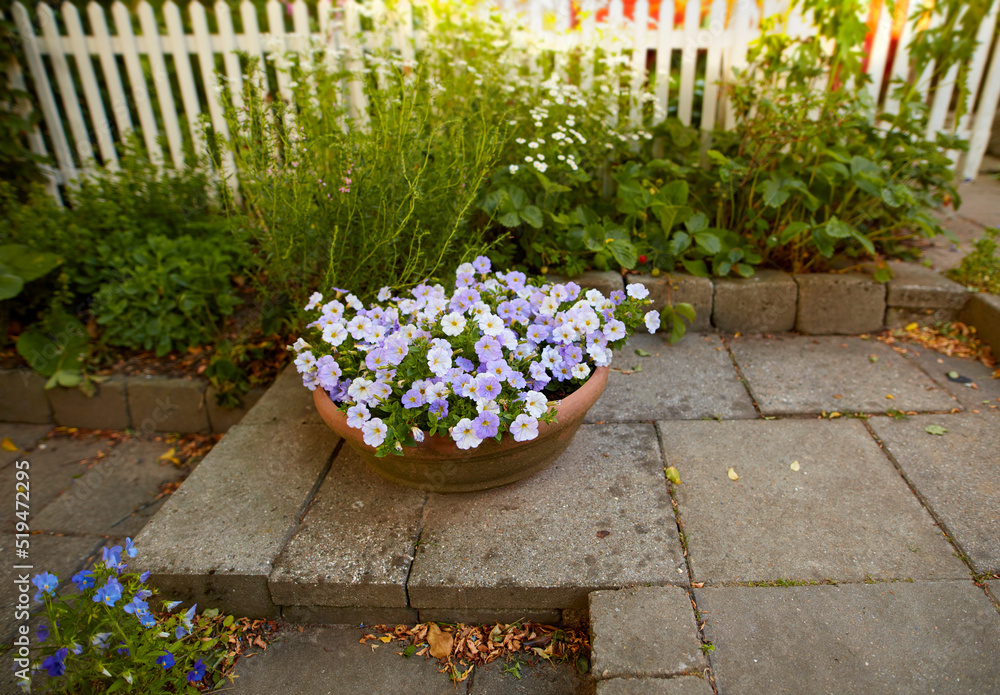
(130, 548)
(481, 264)
(166, 660)
(329, 372)
(439, 408)
(617, 297)
(56, 663)
(515, 280)
(110, 593)
(486, 425)
(46, 583)
(144, 577)
(464, 280)
(43, 632)
(197, 673)
(376, 359)
(413, 399)
(83, 579)
(487, 386)
(488, 348)
(465, 364)
(500, 369)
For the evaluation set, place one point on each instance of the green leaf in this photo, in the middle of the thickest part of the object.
(673, 475)
(744, 269)
(10, 285)
(838, 229)
(792, 231)
(774, 196)
(708, 242)
(27, 263)
(593, 237)
(510, 219)
(549, 185)
(686, 310)
(823, 241)
(670, 215)
(409, 651)
(679, 243)
(935, 429)
(624, 252)
(532, 215)
(674, 193)
(642, 353)
(697, 222)
(517, 197)
(696, 267)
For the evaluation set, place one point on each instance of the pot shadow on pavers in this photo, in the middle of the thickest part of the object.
(598, 517)
(924, 637)
(109, 498)
(25, 437)
(54, 466)
(690, 380)
(957, 474)
(791, 375)
(311, 660)
(938, 366)
(844, 515)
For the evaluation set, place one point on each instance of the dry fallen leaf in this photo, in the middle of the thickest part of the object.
(7, 444)
(673, 475)
(440, 642)
(385, 638)
(732, 475)
(794, 466)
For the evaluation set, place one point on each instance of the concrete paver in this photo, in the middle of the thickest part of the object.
(938, 366)
(845, 515)
(957, 473)
(681, 685)
(691, 380)
(599, 517)
(25, 437)
(792, 375)
(925, 637)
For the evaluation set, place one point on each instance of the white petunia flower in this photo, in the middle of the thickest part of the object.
(652, 321)
(637, 291)
(464, 436)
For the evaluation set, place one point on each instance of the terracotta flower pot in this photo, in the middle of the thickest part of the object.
(438, 465)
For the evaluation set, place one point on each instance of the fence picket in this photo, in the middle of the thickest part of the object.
(35, 140)
(109, 66)
(640, 27)
(177, 43)
(67, 90)
(43, 88)
(983, 125)
(713, 64)
(984, 37)
(137, 84)
(226, 42)
(278, 46)
(206, 61)
(161, 81)
(879, 52)
(900, 66)
(352, 50)
(252, 43)
(77, 41)
(588, 36)
(664, 52)
(689, 61)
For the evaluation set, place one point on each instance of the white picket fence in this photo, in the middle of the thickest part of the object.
(81, 138)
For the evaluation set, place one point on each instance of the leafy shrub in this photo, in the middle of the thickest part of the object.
(980, 269)
(105, 638)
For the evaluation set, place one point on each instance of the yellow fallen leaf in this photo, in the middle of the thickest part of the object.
(439, 641)
(732, 475)
(794, 466)
(673, 475)
(8, 445)
(385, 638)
(890, 396)
(912, 326)
(169, 455)
(834, 414)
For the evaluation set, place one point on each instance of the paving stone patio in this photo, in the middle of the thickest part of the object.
(867, 552)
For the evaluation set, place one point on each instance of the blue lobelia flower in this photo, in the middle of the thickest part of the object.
(197, 673)
(130, 548)
(166, 661)
(46, 583)
(147, 620)
(55, 664)
(144, 577)
(110, 593)
(180, 632)
(136, 606)
(84, 579)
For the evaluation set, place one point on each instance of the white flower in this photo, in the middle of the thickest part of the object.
(520, 141)
(529, 159)
(535, 403)
(464, 435)
(335, 334)
(533, 145)
(357, 415)
(524, 428)
(453, 323)
(637, 291)
(614, 330)
(549, 306)
(384, 294)
(374, 432)
(361, 390)
(439, 361)
(490, 324)
(580, 370)
(300, 345)
(514, 168)
(541, 166)
(315, 299)
(652, 321)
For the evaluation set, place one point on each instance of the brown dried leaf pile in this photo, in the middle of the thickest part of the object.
(953, 339)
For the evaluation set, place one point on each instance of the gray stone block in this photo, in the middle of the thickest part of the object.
(287, 401)
(540, 678)
(958, 474)
(797, 375)
(483, 616)
(983, 312)
(681, 685)
(678, 288)
(849, 303)
(983, 387)
(166, 404)
(221, 419)
(329, 661)
(216, 539)
(355, 546)
(605, 282)
(869, 639)
(23, 397)
(898, 317)
(916, 287)
(845, 515)
(689, 380)
(599, 515)
(764, 303)
(335, 615)
(107, 409)
(643, 632)
(25, 438)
